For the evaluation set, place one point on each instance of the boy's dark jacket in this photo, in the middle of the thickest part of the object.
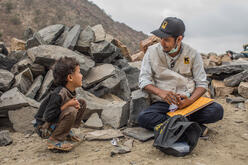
(49, 110)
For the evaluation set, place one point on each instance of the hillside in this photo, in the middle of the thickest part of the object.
(18, 15)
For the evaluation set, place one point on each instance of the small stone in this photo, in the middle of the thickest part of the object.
(103, 134)
(120, 150)
(139, 133)
(5, 138)
(36, 40)
(129, 143)
(234, 100)
(17, 44)
(243, 89)
(220, 90)
(94, 122)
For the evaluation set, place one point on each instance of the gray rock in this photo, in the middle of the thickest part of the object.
(120, 150)
(129, 143)
(72, 37)
(51, 33)
(37, 70)
(98, 74)
(12, 99)
(103, 135)
(36, 40)
(113, 113)
(28, 33)
(22, 118)
(6, 63)
(94, 122)
(46, 55)
(24, 80)
(241, 106)
(7, 79)
(224, 71)
(21, 65)
(234, 100)
(17, 55)
(139, 133)
(140, 101)
(132, 74)
(243, 89)
(86, 37)
(103, 52)
(35, 87)
(60, 41)
(99, 32)
(89, 63)
(3, 49)
(5, 138)
(235, 80)
(47, 83)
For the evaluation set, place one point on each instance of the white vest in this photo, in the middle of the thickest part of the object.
(179, 79)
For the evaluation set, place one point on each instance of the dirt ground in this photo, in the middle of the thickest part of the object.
(227, 144)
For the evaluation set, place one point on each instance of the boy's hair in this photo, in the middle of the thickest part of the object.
(62, 68)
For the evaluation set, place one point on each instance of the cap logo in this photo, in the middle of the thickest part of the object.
(164, 24)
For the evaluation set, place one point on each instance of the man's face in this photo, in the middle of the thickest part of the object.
(168, 43)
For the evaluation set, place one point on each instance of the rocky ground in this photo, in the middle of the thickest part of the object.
(227, 144)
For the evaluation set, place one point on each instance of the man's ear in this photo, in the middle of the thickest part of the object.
(179, 39)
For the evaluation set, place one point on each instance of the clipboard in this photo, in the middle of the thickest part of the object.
(197, 105)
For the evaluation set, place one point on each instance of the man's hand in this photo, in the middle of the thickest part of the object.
(168, 96)
(73, 102)
(183, 101)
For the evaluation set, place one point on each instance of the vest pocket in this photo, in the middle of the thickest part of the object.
(185, 70)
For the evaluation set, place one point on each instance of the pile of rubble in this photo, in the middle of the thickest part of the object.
(110, 81)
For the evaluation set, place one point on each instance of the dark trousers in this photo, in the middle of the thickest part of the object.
(156, 114)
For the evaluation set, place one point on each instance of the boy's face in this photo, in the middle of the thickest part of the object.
(76, 77)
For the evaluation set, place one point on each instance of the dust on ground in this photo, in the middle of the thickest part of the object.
(227, 144)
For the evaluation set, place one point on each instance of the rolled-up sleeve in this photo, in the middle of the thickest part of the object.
(199, 73)
(145, 77)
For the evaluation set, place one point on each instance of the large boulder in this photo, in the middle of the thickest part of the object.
(3, 49)
(51, 33)
(243, 89)
(37, 70)
(21, 65)
(94, 122)
(17, 44)
(123, 48)
(22, 118)
(114, 113)
(224, 71)
(86, 37)
(140, 101)
(6, 62)
(60, 41)
(99, 32)
(24, 80)
(72, 37)
(47, 54)
(7, 79)
(235, 80)
(46, 85)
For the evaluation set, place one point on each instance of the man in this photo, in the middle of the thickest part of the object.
(173, 73)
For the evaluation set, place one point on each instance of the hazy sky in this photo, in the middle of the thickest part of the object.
(211, 25)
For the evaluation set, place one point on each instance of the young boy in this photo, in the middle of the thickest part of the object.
(61, 111)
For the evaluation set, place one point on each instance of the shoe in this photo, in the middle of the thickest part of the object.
(204, 131)
(59, 145)
(72, 137)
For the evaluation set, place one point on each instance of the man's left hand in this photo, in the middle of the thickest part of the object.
(184, 101)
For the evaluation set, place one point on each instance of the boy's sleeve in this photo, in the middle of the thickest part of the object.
(53, 110)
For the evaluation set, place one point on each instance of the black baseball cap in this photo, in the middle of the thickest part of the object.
(170, 27)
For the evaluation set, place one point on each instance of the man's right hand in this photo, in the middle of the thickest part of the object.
(168, 96)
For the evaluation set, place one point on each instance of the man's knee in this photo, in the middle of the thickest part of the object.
(217, 112)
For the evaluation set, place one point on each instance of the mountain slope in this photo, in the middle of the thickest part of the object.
(18, 15)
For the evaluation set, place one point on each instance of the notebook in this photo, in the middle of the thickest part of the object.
(197, 105)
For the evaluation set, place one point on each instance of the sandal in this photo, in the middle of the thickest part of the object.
(58, 145)
(72, 137)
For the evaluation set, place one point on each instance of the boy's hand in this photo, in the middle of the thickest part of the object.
(73, 102)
